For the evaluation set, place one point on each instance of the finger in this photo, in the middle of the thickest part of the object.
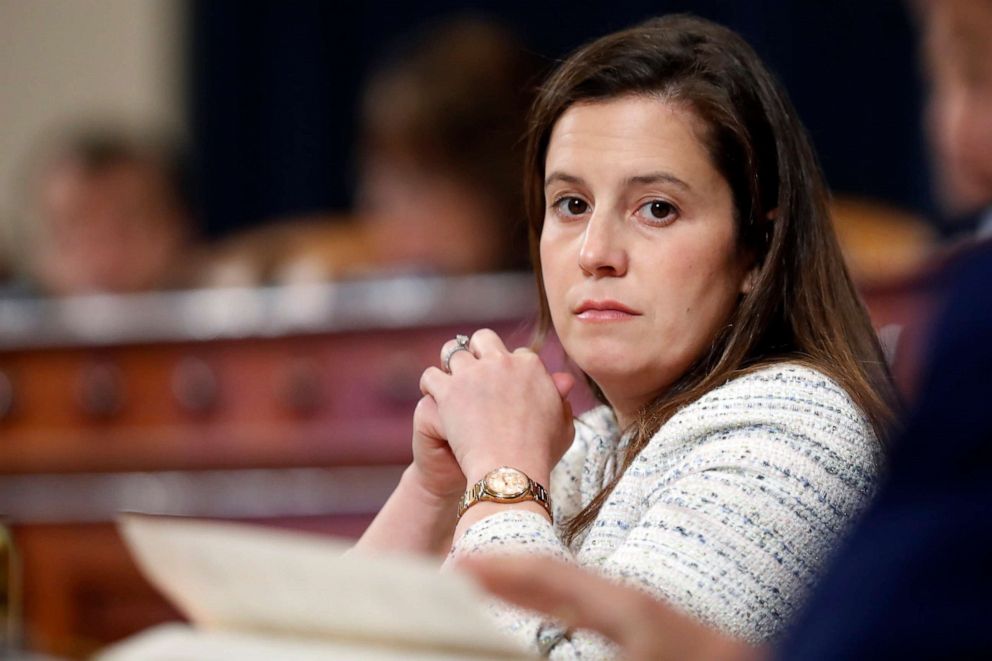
(564, 382)
(434, 382)
(485, 341)
(426, 419)
(451, 352)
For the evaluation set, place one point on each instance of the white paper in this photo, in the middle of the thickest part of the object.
(179, 642)
(237, 578)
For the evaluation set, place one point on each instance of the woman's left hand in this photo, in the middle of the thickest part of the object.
(499, 408)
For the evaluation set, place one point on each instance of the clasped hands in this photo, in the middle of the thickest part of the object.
(494, 408)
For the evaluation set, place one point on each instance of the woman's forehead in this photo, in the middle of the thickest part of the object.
(627, 138)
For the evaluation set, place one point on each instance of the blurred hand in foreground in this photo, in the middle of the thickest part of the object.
(645, 628)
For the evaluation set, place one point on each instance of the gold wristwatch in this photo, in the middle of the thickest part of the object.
(505, 485)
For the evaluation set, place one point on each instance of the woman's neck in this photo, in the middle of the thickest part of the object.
(625, 411)
(626, 405)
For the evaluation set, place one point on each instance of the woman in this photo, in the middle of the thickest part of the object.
(687, 264)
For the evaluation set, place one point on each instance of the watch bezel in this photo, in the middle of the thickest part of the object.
(506, 494)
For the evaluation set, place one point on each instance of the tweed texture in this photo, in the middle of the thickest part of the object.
(728, 513)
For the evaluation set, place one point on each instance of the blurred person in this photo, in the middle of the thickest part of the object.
(688, 266)
(438, 187)
(109, 215)
(960, 102)
(440, 150)
(913, 580)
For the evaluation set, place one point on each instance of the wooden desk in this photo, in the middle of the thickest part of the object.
(286, 405)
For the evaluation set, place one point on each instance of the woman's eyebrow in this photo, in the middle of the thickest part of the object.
(655, 178)
(561, 176)
(636, 180)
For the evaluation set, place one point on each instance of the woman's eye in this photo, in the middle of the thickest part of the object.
(572, 206)
(658, 210)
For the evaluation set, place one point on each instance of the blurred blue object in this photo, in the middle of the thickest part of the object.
(914, 581)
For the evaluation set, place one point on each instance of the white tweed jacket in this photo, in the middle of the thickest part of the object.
(728, 513)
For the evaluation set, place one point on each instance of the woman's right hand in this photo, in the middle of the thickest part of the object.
(420, 515)
(434, 464)
(498, 408)
(435, 468)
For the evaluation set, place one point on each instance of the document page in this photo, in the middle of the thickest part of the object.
(235, 577)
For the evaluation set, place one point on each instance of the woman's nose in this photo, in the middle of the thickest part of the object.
(602, 253)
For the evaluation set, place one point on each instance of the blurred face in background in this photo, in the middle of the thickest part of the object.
(958, 47)
(441, 120)
(424, 219)
(116, 229)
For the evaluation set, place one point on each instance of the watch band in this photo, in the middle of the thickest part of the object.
(481, 492)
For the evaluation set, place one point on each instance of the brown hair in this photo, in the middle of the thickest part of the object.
(97, 147)
(454, 100)
(803, 305)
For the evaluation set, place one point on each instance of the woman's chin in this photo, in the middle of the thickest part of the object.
(610, 377)
(609, 360)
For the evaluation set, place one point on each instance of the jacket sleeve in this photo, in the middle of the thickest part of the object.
(728, 519)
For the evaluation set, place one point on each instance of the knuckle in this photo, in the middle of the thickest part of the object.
(483, 333)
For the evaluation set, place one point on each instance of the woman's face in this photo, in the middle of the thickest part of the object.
(638, 249)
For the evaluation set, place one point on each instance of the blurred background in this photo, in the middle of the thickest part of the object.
(232, 235)
(284, 120)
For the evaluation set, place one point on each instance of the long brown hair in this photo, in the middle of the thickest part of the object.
(803, 305)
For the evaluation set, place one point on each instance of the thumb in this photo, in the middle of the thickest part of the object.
(564, 382)
(427, 420)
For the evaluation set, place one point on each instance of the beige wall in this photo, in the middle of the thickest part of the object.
(66, 60)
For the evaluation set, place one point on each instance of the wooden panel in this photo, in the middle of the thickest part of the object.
(171, 403)
(323, 400)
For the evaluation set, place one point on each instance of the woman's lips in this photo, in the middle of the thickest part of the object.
(604, 311)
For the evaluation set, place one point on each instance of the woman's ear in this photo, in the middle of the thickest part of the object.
(751, 277)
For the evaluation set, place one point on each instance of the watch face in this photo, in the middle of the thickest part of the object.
(506, 482)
